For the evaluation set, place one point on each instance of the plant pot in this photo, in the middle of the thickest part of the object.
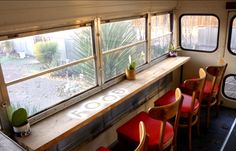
(173, 54)
(23, 130)
(130, 74)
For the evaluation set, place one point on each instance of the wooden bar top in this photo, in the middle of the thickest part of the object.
(55, 128)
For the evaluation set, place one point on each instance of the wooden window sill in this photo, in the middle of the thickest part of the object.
(57, 127)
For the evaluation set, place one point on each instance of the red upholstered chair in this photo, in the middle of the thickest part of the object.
(103, 149)
(212, 87)
(143, 139)
(190, 109)
(161, 132)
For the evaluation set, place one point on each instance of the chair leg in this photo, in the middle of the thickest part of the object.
(217, 107)
(190, 137)
(217, 110)
(174, 146)
(208, 117)
(198, 126)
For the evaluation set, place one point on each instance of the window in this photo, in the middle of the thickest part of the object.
(48, 72)
(232, 38)
(43, 70)
(229, 87)
(199, 32)
(119, 40)
(160, 35)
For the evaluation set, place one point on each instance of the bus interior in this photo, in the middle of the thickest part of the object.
(109, 75)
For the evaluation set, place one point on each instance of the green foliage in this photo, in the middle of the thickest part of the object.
(19, 117)
(29, 108)
(113, 36)
(7, 46)
(132, 66)
(172, 47)
(45, 52)
(82, 48)
(9, 112)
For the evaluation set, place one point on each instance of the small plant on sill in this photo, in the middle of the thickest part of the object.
(173, 50)
(132, 64)
(19, 121)
(130, 71)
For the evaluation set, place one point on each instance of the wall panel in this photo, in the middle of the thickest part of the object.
(27, 15)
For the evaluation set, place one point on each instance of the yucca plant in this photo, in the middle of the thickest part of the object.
(112, 36)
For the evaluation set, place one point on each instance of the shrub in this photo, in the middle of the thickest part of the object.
(45, 52)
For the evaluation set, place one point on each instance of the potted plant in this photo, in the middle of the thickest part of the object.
(19, 121)
(173, 50)
(130, 71)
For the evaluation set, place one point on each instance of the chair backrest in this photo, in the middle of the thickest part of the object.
(196, 86)
(167, 112)
(216, 74)
(143, 137)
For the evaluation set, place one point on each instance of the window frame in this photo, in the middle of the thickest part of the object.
(196, 50)
(120, 77)
(230, 35)
(97, 57)
(63, 103)
(223, 86)
(171, 17)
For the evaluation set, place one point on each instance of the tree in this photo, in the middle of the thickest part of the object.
(45, 52)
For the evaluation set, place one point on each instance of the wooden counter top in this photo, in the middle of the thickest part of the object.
(55, 128)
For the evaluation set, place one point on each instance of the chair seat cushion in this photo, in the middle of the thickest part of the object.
(103, 149)
(206, 90)
(207, 87)
(169, 97)
(129, 132)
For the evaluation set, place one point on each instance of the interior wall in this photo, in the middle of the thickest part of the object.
(201, 59)
(30, 15)
(231, 60)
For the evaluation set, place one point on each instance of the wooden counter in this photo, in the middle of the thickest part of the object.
(54, 129)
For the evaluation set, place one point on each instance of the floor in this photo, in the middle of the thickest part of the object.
(211, 139)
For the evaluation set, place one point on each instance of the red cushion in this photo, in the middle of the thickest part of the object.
(186, 105)
(129, 132)
(207, 87)
(103, 149)
(206, 90)
(169, 97)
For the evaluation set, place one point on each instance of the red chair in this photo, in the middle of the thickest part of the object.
(143, 139)
(190, 109)
(212, 87)
(161, 132)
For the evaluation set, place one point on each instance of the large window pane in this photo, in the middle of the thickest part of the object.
(160, 35)
(229, 88)
(117, 34)
(199, 32)
(25, 56)
(233, 37)
(45, 91)
(115, 63)
(121, 34)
